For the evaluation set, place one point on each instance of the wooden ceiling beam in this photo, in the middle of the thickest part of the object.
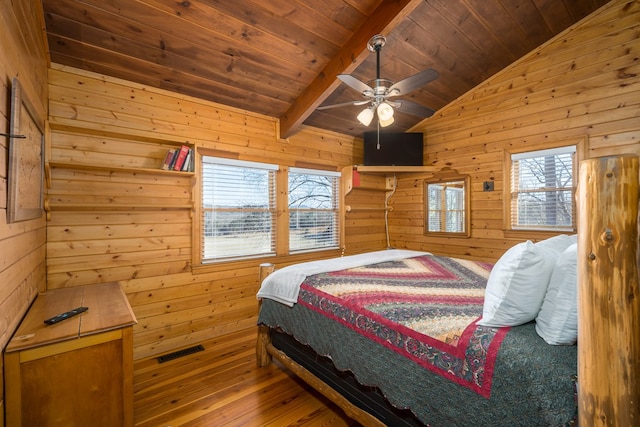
(384, 19)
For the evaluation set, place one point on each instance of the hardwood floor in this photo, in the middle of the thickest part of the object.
(222, 386)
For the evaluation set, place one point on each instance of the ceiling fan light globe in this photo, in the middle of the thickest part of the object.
(366, 116)
(385, 123)
(385, 112)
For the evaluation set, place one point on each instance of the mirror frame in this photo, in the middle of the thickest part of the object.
(443, 176)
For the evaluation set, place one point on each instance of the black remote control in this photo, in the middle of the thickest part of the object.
(60, 317)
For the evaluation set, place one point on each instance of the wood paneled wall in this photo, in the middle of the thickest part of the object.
(582, 86)
(114, 215)
(365, 212)
(22, 244)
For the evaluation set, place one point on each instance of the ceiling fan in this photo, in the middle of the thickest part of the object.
(377, 92)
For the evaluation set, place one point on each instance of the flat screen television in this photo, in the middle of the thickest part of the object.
(394, 149)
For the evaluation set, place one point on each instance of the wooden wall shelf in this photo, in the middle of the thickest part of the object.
(152, 171)
(111, 207)
(347, 175)
(128, 203)
(349, 208)
(394, 169)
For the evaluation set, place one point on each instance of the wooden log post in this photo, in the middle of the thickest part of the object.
(608, 292)
(263, 358)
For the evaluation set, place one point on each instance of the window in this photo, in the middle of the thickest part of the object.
(542, 190)
(447, 204)
(238, 209)
(313, 209)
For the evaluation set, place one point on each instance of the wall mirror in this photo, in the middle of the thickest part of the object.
(447, 210)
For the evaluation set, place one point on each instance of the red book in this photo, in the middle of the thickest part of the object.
(182, 155)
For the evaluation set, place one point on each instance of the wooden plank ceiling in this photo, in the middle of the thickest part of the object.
(281, 57)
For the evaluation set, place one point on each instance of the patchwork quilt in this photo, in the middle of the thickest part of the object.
(424, 308)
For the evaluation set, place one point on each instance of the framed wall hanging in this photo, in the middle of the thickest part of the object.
(26, 159)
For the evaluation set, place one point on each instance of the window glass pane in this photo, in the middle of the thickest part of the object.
(446, 208)
(434, 208)
(238, 209)
(542, 190)
(313, 210)
(455, 208)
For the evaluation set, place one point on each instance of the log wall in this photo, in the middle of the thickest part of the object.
(115, 216)
(22, 244)
(582, 87)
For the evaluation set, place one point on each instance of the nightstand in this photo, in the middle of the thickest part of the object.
(77, 372)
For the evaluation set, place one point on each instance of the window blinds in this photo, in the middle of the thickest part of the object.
(542, 189)
(313, 209)
(238, 209)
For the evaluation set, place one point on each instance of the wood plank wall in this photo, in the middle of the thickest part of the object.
(22, 244)
(365, 217)
(114, 216)
(582, 86)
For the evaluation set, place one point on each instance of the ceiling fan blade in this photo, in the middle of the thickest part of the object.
(354, 83)
(412, 83)
(412, 108)
(342, 104)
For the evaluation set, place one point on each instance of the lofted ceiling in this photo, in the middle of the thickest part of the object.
(281, 57)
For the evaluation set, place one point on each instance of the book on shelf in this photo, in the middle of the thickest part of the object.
(168, 159)
(174, 158)
(181, 157)
(186, 167)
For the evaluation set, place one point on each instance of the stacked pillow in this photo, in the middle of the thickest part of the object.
(518, 283)
(557, 321)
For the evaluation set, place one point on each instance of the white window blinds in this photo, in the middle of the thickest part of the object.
(238, 209)
(313, 209)
(542, 189)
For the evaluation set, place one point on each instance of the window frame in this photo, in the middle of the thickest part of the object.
(443, 177)
(336, 209)
(542, 232)
(281, 224)
(199, 229)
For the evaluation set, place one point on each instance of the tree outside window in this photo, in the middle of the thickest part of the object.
(542, 189)
(313, 209)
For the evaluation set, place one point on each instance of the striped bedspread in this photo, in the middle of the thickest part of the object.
(424, 308)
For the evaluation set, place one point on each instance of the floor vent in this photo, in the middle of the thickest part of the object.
(180, 353)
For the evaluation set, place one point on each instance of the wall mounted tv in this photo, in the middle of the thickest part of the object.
(394, 149)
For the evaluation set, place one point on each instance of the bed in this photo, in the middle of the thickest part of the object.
(411, 338)
(406, 324)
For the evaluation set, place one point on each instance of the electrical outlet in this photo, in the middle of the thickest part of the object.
(487, 186)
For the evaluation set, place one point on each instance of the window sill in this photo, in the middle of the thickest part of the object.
(278, 260)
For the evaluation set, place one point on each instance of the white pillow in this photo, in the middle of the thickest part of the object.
(517, 285)
(557, 322)
(557, 243)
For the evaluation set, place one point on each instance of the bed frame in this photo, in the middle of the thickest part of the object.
(608, 300)
(265, 351)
